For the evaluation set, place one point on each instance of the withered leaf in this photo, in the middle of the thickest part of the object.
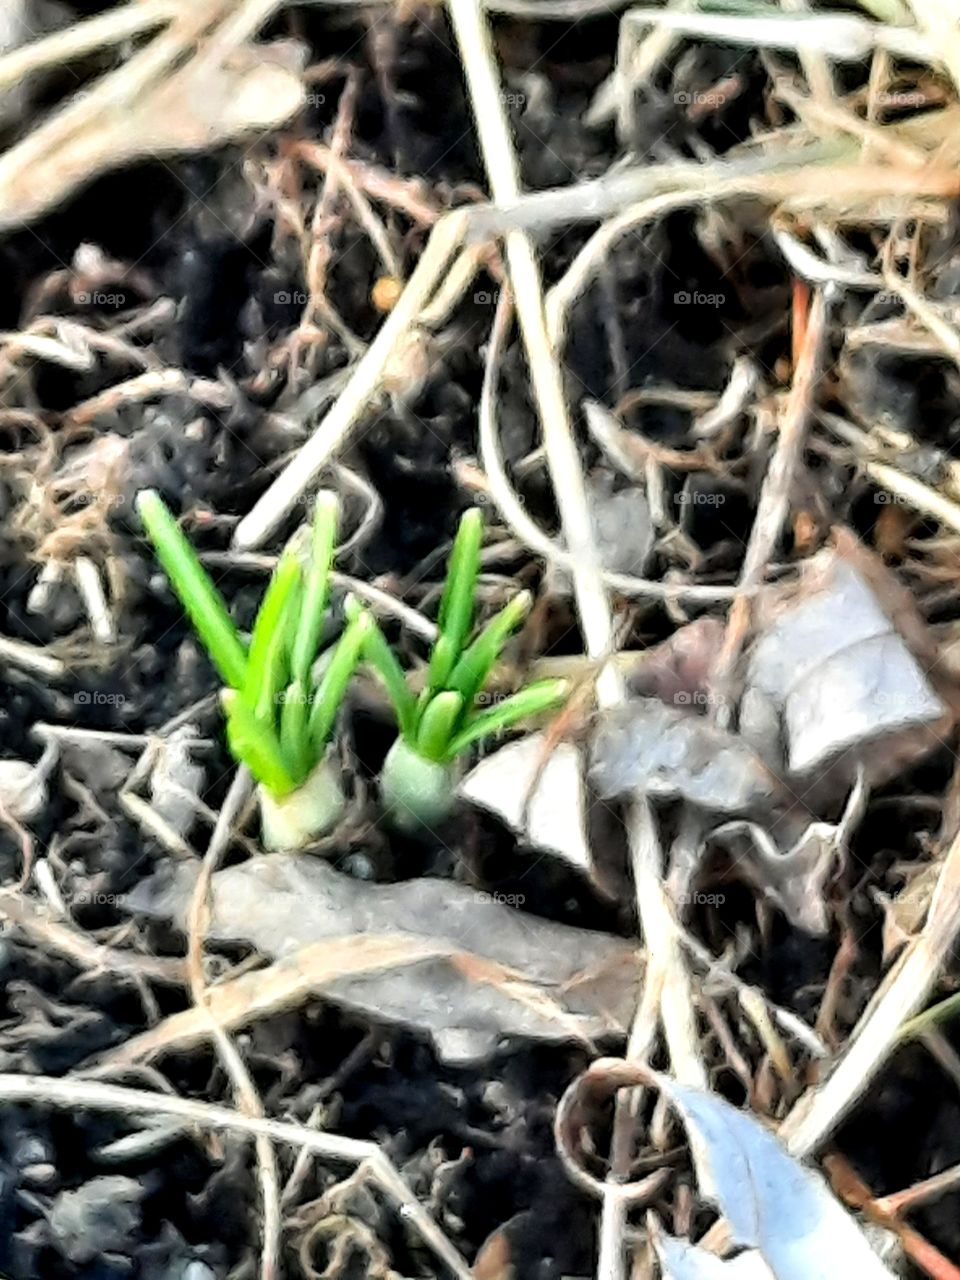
(831, 674)
(672, 753)
(779, 1211)
(540, 798)
(490, 972)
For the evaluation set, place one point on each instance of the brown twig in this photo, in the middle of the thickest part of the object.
(244, 1089)
(72, 1094)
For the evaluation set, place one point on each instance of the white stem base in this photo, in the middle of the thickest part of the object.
(416, 793)
(296, 820)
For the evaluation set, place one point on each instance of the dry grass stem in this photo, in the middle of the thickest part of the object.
(72, 1094)
(31, 657)
(773, 504)
(244, 1089)
(676, 1003)
(364, 384)
(514, 513)
(903, 992)
(88, 36)
(70, 942)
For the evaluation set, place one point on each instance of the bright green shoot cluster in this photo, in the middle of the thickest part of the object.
(418, 780)
(450, 714)
(280, 703)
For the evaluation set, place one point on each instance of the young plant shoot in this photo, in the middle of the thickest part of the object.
(280, 702)
(436, 729)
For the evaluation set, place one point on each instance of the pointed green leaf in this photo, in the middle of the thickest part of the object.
(470, 674)
(317, 586)
(256, 745)
(438, 724)
(294, 734)
(455, 619)
(333, 684)
(544, 695)
(381, 657)
(201, 600)
(266, 661)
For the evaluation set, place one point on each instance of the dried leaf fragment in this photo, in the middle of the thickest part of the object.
(490, 972)
(198, 107)
(773, 1204)
(832, 674)
(781, 1212)
(672, 754)
(540, 799)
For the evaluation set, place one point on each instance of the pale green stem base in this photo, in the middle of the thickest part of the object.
(416, 793)
(297, 819)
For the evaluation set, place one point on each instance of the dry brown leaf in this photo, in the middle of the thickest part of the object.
(834, 674)
(282, 985)
(485, 971)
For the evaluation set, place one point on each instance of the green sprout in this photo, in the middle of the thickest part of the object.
(281, 702)
(449, 716)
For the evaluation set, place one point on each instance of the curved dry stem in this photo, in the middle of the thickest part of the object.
(511, 507)
(244, 1089)
(676, 1005)
(71, 1094)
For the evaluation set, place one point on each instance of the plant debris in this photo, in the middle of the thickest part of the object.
(538, 791)
(493, 975)
(831, 674)
(780, 1213)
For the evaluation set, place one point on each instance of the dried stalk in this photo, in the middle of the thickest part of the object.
(72, 1094)
(676, 1003)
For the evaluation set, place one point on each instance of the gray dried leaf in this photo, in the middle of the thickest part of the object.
(176, 781)
(622, 528)
(549, 811)
(796, 880)
(671, 753)
(682, 1261)
(830, 673)
(101, 766)
(621, 521)
(775, 1207)
(496, 972)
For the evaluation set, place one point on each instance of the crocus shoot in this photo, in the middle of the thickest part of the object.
(437, 727)
(280, 702)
